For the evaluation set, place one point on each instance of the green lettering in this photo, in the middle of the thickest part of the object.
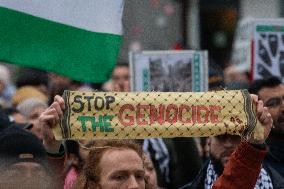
(103, 123)
(98, 124)
(107, 124)
(83, 120)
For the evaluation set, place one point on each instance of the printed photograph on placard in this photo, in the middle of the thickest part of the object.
(167, 71)
(268, 49)
(170, 76)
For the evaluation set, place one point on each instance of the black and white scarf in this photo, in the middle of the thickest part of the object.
(263, 180)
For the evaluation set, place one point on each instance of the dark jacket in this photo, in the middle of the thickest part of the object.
(198, 182)
(187, 161)
(276, 178)
(275, 156)
(244, 167)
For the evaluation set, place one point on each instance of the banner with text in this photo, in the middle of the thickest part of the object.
(138, 115)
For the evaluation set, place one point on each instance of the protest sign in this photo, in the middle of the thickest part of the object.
(268, 49)
(241, 52)
(259, 47)
(169, 71)
(138, 115)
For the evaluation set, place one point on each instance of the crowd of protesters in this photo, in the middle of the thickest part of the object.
(30, 157)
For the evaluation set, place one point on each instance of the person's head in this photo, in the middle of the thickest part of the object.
(56, 85)
(150, 171)
(10, 117)
(77, 153)
(271, 92)
(23, 162)
(33, 77)
(113, 164)
(221, 148)
(120, 78)
(59, 81)
(15, 115)
(235, 78)
(26, 92)
(84, 148)
(32, 108)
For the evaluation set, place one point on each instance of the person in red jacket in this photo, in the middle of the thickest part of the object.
(241, 171)
(236, 163)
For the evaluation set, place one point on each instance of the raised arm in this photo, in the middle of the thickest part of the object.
(243, 168)
(48, 120)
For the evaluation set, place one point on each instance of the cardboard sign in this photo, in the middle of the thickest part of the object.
(259, 47)
(268, 49)
(169, 71)
(111, 115)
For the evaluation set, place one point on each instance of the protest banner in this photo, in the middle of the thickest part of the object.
(169, 71)
(138, 115)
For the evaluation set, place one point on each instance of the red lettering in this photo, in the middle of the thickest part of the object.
(157, 116)
(199, 114)
(160, 118)
(127, 117)
(140, 117)
(193, 109)
(180, 114)
(148, 114)
(214, 117)
(169, 118)
(153, 114)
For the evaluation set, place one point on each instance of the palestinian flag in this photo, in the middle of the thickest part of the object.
(77, 39)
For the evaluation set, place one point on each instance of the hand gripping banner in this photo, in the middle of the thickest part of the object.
(131, 115)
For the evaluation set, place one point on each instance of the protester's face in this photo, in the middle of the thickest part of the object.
(150, 172)
(121, 169)
(221, 147)
(59, 80)
(273, 98)
(57, 84)
(25, 175)
(27, 169)
(120, 78)
(231, 74)
(34, 119)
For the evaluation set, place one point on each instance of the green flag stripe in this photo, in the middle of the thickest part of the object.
(76, 53)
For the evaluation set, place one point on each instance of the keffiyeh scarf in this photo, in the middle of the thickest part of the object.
(263, 180)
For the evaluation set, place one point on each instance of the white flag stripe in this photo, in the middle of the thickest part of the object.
(102, 16)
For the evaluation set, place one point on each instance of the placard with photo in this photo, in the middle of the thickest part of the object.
(268, 49)
(169, 71)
